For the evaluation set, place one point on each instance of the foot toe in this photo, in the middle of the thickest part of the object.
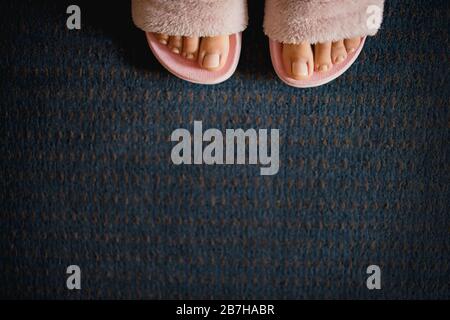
(352, 44)
(190, 47)
(162, 38)
(175, 44)
(322, 57)
(298, 60)
(338, 52)
(213, 52)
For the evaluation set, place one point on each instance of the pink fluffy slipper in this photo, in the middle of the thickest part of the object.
(313, 21)
(192, 18)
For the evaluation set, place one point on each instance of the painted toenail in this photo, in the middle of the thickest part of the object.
(340, 58)
(299, 68)
(323, 67)
(211, 60)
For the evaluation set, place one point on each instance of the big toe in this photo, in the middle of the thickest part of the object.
(213, 52)
(298, 60)
(322, 57)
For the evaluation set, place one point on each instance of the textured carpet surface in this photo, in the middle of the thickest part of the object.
(87, 178)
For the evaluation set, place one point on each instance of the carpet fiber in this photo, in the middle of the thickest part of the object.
(87, 177)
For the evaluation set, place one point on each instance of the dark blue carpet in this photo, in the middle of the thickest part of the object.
(87, 179)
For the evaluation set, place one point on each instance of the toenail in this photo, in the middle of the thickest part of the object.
(323, 67)
(211, 60)
(163, 41)
(190, 56)
(176, 50)
(340, 58)
(351, 50)
(299, 68)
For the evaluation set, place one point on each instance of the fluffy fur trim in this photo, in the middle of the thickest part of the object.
(295, 21)
(199, 18)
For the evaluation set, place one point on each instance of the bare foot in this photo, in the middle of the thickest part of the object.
(301, 60)
(211, 53)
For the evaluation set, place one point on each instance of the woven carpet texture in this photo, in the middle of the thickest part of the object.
(87, 177)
